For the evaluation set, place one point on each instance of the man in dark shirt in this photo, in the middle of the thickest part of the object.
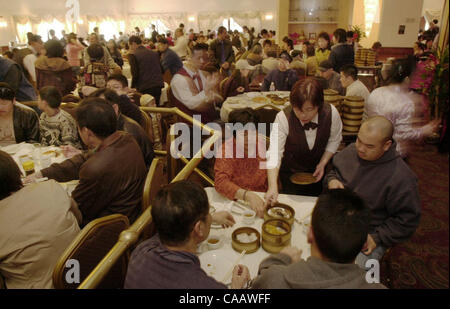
(282, 77)
(169, 59)
(222, 50)
(374, 170)
(127, 124)
(145, 69)
(112, 175)
(168, 260)
(333, 79)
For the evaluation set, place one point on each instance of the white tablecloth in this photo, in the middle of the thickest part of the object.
(303, 206)
(34, 151)
(245, 100)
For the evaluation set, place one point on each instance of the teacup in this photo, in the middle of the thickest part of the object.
(214, 242)
(248, 217)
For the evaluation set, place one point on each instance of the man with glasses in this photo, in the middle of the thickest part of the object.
(18, 123)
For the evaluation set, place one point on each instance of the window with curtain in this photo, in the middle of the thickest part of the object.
(44, 28)
(22, 30)
(160, 28)
(232, 25)
(108, 27)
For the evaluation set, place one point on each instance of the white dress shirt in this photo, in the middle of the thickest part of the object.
(358, 89)
(182, 92)
(283, 131)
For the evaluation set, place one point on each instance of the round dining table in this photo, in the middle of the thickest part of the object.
(218, 262)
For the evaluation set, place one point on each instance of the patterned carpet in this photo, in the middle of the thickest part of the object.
(423, 261)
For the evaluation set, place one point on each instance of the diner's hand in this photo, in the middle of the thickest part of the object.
(318, 173)
(369, 246)
(223, 218)
(69, 151)
(271, 196)
(293, 252)
(240, 89)
(241, 275)
(256, 203)
(32, 178)
(335, 184)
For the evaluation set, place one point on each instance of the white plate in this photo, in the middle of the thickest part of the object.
(216, 264)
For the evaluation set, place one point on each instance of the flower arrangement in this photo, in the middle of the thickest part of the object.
(438, 84)
(358, 33)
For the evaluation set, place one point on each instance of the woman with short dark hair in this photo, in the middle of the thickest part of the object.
(53, 70)
(308, 134)
(341, 52)
(240, 169)
(37, 223)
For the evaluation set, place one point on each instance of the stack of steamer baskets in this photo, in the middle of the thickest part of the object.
(332, 97)
(352, 113)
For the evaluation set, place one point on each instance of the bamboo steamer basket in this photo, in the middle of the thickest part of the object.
(352, 113)
(240, 246)
(350, 129)
(332, 97)
(268, 213)
(273, 243)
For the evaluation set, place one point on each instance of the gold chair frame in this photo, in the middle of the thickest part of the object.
(130, 236)
(58, 270)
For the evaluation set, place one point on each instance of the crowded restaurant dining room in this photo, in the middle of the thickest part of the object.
(241, 144)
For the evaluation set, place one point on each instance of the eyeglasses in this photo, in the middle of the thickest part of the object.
(7, 93)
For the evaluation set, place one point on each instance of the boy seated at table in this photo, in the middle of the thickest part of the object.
(56, 125)
(169, 259)
(338, 232)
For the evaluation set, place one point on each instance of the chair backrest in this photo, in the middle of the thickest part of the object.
(147, 125)
(88, 249)
(71, 108)
(154, 181)
(222, 85)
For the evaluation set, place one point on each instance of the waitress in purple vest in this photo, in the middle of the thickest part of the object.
(309, 133)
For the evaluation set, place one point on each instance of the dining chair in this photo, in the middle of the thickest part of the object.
(88, 249)
(148, 125)
(69, 107)
(222, 85)
(156, 179)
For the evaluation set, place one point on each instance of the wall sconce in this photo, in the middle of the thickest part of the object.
(191, 18)
(3, 23)
(269, 17)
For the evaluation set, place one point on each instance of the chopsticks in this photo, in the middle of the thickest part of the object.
(232, 267)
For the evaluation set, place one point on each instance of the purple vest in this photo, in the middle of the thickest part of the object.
(297, 155)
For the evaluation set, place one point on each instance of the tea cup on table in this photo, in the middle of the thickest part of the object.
(248, 217)
(214, 242)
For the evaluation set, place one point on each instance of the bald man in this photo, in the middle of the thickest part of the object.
(374, 170)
